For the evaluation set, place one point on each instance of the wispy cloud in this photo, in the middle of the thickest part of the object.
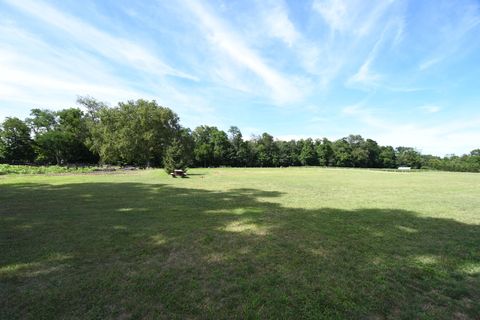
(457, 136)
(218, 33)
(351, 16)
(430, 62)
(113, 47)
(53, 72)
(365, 77)
(334, 13)
(366, 116)
(278, 24)
(430, 108)
(452, 33)
(359, 32)
(228, 62)
(35, 73)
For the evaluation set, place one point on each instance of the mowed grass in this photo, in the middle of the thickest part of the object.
(241, 243)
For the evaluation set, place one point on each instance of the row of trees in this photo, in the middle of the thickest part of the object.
(143, 133)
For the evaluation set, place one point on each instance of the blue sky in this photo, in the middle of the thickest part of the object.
(400, 72)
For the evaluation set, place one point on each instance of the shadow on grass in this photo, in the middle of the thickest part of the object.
(124, 250)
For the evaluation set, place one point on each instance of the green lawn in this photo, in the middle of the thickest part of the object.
(241, 243)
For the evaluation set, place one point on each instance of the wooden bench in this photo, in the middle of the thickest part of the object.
(178, 173)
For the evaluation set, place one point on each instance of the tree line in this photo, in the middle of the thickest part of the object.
(143, 133)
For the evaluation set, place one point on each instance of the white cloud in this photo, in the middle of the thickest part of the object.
(283, 89)
(438, 140)
(365, 116)
(430, 108)
(458, 136)
(334, 12)
(359, 30)
(278, 23)
(261, 52)
(364, 75)
(462, 21)
(351, 16)
(429, 63)
(113, 47)
(34, 73)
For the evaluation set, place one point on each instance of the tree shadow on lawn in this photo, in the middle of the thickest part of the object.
(121, 250)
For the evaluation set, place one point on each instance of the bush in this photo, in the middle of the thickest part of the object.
(25, 169)
(175, 157)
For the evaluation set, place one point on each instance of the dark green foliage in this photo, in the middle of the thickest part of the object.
(465, 163)
(16, 145)
(373, 153)
(212, 147)
(178, 153)
(135, 132)
(266, 150)
(387, 157)
(308, 156)
(408, 157)
(35, 169)
(342, 153)
(2, 148)
(52, 146)
(143, 133)
(93, 107)
(41, 121)
(237, 155)
(288, 154)
(325, 152)
(60, 137)
(175, 157)
(359, 154)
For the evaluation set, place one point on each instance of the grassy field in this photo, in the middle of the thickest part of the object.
(241, 243)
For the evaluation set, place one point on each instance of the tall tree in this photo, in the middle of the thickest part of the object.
(285, 153)
(16, 143)
(2, 147)
(237, 156)
(73, 124)
(212, 147)
(222, 149)
(93, 107)
(358, 152)
(267, 151)
(407, 156)
(178, 154)
(60, 137)
(325, 152)
(387, 157)
(373, 153)
(342, 153)
(136, 132)
(203, 147)
(308, 156)
(41, 120)
(475, 153)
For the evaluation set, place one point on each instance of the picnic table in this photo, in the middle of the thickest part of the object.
(178, 173)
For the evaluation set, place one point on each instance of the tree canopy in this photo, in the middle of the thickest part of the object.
(143, 133)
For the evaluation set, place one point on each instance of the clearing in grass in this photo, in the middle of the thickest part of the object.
(241, 243)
